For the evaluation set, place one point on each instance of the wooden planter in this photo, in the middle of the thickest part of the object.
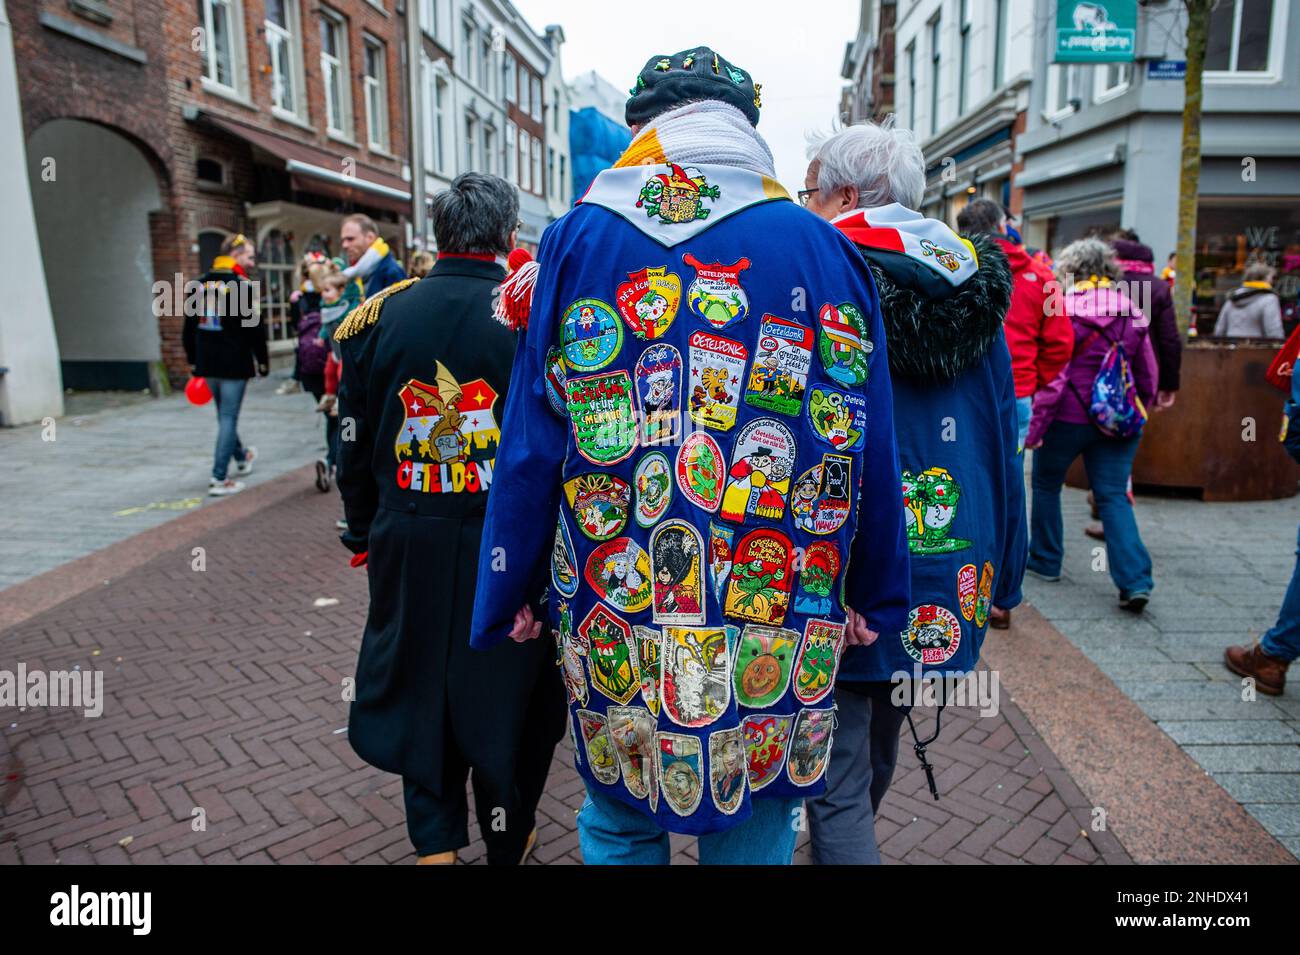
(1202, 442)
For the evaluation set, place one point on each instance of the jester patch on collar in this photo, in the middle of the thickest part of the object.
(716, 295)
(448, 440)
(612, 657)
(780, 373)
(838, 417)
(677, 195)
(659, 389)
(820, 501)
(603, 417)
(717, 371)
(761, 466)
(590, 334)
(648, 301)
(600, 504)
(933, 634)
(844, 343)
(929, 508)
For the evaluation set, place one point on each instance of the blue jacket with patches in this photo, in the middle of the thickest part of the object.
(963, 475)
(704, 406)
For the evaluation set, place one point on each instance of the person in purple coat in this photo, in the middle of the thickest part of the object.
(1061, 428)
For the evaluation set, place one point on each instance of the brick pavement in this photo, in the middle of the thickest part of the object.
(223, 693)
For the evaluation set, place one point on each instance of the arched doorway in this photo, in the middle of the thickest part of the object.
(93, 190)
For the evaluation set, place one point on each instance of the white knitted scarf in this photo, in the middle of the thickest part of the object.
(705, 132)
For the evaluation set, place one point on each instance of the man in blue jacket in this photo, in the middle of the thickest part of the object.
(943, 299)
(701, 443)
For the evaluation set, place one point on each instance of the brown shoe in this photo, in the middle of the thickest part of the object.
(528, 847)
(438, 858)
(1000, 619)
(1096, 532)
(1268, 672)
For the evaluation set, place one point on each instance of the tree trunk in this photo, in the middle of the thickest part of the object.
(1189, 179)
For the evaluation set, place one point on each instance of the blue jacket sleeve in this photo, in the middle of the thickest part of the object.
(878, 584)
(1011, 573)
(519, 527)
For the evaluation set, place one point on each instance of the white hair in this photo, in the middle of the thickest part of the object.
(882, 160)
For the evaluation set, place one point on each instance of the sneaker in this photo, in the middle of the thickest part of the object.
(322, 476)
(222, 488)
(289, 387)
(341, 524)
(1047, 577)
(245, 467)
(1134, 602)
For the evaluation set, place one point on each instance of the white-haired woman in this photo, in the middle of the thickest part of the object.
(1254, 310)
(1062, 429)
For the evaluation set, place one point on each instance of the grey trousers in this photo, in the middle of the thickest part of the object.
(842, 821)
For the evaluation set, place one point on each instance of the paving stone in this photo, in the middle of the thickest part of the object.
(1261, 787)
(1247, 758)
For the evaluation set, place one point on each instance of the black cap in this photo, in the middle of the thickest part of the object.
(699, 73)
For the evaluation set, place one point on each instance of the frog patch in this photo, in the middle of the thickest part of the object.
(612, 658)
(715, 295)
(700, 471)
(819, 656)
(590, 334)
(759, 586)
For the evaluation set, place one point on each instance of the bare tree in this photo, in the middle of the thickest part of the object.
(1189, 177)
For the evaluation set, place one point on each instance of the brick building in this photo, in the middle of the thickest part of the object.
(156, 128)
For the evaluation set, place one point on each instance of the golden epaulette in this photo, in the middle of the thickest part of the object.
(367, 313)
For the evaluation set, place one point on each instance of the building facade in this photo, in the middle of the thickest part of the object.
(598, 131)
(157, 128)
(869, 64)
(1102, 143)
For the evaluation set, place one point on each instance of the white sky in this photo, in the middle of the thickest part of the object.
(793, 49)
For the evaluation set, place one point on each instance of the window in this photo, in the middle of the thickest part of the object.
(335, 75)
(440, 101)
(1240, 36)
(963, 63)
(467, 50)
(525, 180)
(999, 42)
(550, 171)
(429, 17)
(485, 64)
(210, 172)
(512, 154)
(525, 90)
(1057, 103)
(934, 76)
(539, 186)
(471, 141)
(489, 149)
(223, 30)
(564, 179)
(376, 87)
(283, 50)
(555, 109)
(1109, 80)
(536, 111)
(911, 85)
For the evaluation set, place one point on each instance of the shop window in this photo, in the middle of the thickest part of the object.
(276, 264)
(1242, 34)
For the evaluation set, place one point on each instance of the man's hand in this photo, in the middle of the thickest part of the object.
(1165, 400)
(525, 627)
(859, 634)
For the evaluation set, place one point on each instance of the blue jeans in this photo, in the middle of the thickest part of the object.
(1024, 412)
(227, 395)
(613, 833)
(1284, 639)
(1109, 463)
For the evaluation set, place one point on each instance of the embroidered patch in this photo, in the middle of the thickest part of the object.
(949, 259)
(985, 600)
(612, 657)
(780, 374)
(819, 656)
(727, 769)
(720, 550)
(677, 195)
(761, 467)
(764, 663)
(604, 421)
(929, 507)
(564, 566)
(447, 443)
(717, 370)
(600, 503)
(767, 740)
(577, 747)
(759, 587)
(556, 375)
(817, 576)
(966, 586)
(933, 634)
(716, 295)
(564, 632)
(696, 674)
(632, 730)
(699, 471)
(819, 502)
(659, 389)
(648, 301)
(648, 644)
(811, 747)
(677, 562)
(590, 334)
(619, 572)
(680, 771)
(838, 417)
(654, 488)
(844, 344)
(600, 749)
(575, 674)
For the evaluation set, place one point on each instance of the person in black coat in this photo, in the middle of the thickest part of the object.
(425, 376)
(225, 342)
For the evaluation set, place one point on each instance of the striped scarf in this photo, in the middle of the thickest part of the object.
(705, 132)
